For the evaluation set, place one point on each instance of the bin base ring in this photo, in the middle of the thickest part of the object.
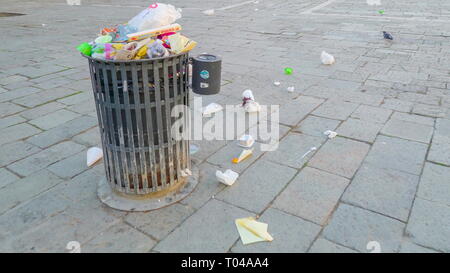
(123, 202)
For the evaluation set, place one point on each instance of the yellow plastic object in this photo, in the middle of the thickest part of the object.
(245, 154)
(252, 231)
(142, 52)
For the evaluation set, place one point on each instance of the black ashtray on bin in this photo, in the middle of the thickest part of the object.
(206, 74)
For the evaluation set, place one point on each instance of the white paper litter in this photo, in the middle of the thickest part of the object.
(246, 141)
(327, 58)
(373, 2)
(330, 134)
(93, 155)
(276, 83)
(228, 177)
(211, 108)
(209, 12)
(291, 89)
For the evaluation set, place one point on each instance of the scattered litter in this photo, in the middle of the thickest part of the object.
(387, 36)
(209, 12)
(93, 155)
(330, 134)
(309, 151)
(186, 172)
(228, 177)
(249, 103)
(288, 71)
(252, 231)
(244, 155)
(73, 2)
(256, 9)
(211, 108)
(276, 83)
(374, 2)
(193, 149)
(291, 89)
(44, 25)
(327, 58)
(246, 141)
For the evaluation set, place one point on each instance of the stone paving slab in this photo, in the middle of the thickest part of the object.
(359, 130)
(340, 156)
(386, 191)
(316, 126)
(292, 148)
(408, 130)
(355, 227)
(324, 246)
(312, 195)
(203, 233)
(428, 225)
(292, 236)
(161, 222)
(434, 184)
(26, 188)
(119, 238)
(398, 154)
(256, 187)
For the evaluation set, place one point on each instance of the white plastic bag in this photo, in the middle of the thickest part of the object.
(327, 58)
(156, 15)
(228, 177)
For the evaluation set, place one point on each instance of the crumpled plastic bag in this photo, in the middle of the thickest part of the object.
(157, 50)
(156, 15)
(327, 58)
(228, 177)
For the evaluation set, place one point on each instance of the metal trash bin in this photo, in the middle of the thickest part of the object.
(144, 164)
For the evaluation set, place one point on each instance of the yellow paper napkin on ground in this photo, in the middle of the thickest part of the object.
(252, 231)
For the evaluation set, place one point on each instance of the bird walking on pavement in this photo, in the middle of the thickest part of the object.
(387, 36)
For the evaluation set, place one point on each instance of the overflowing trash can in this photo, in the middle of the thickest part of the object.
(134, 99)
(140, 72)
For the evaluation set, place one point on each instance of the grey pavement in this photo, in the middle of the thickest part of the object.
(384, 178)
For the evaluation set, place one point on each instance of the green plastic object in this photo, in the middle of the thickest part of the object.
(85, 48)
(288, 71)
(381, 11)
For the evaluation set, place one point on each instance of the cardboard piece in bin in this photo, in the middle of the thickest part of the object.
(130, 50)
(153, 32)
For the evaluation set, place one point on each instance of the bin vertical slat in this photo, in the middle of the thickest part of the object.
(159, 114)
(167, 107)
(176, 95)
(109, 131)
(96, 88)
(183, 82)
(149, 126)
(123, 158)
(140, 132)
(129, 129)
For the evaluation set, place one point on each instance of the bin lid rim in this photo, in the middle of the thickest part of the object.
(133, 61)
